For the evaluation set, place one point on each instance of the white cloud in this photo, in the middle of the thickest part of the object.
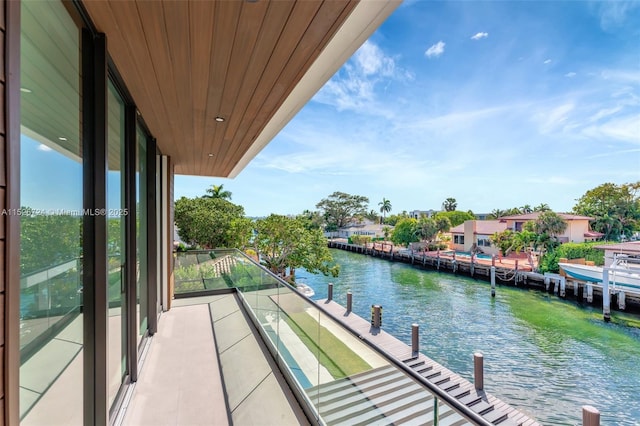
(625, 129)
(622, 76)
(354, 86)
(614, 153)
(44, 148)
(552, 119)
(480, 35)
(570, 74)
(435, 50)
(372, 60)
(548, 61)
(613, 14)
(606, 112)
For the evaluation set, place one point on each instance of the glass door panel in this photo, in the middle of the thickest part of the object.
(116, 244)
(51, 176)
(142, 281)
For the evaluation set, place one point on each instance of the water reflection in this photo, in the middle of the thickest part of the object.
(544, 355)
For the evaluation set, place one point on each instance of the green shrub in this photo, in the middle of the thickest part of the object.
(359, 239)
(549, 262)
(582, 250)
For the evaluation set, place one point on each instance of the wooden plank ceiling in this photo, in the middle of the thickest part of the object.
(188, 62)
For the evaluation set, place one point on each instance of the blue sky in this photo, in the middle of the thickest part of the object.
(495, 103)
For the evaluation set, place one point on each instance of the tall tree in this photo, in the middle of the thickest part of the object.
(426, 229)
(615, 209)
(526, 209)
(373, 216)
(217, 191)
(548, 226)
(542, 207)
(455, 217)
(405, 232)
(340, 208)
(285, 242)
(385, 207)
(313, 218)
(207, 221)
(443, 223)
(550, 223)
(497, 214)
(449, 204)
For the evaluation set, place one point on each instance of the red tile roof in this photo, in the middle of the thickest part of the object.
(534, 216)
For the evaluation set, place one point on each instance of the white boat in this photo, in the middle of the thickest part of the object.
(619, 275)
(305, 290)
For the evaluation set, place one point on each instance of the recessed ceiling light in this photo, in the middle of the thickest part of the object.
(62, 138)
(25, 90)
(210, 155)
(219, 119)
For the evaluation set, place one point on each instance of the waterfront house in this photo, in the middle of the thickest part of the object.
(476, 233)
(366, 228)
(578, 230)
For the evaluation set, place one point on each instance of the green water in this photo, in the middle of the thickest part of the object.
(545, 356)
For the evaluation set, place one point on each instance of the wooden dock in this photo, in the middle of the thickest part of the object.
(519, 276)
(489, 407)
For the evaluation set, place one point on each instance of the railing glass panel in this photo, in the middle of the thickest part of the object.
(341, 379)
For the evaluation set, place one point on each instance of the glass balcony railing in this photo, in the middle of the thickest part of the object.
(49, 298)
(337, 377)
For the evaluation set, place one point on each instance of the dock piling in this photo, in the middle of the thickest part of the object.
(415, 338)
(493, 281)
(330, 292)
(590, 416)
(606, 297)
(478, 370)
(349, 300)
(563, 286)
(588, 292)
(376, 316)
(621, 300)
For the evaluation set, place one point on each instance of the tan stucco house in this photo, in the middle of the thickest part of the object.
(577, 231)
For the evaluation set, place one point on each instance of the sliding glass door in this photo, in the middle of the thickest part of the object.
(116, 244)
(51, 192)
(142, 258)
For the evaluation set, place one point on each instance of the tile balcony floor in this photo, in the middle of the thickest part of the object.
(180, 382)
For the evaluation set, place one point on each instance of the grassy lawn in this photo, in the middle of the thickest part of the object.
(333, 354)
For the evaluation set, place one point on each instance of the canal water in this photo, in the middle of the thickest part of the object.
(544, 355)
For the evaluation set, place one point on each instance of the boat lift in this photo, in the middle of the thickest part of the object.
(620, 263)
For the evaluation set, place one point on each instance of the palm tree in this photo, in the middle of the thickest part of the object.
(543, 207)
(548, 226)
(550, 223)
(497, 213)
(385, 207)
(216, 191)
(526, 209)
(449, 204)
